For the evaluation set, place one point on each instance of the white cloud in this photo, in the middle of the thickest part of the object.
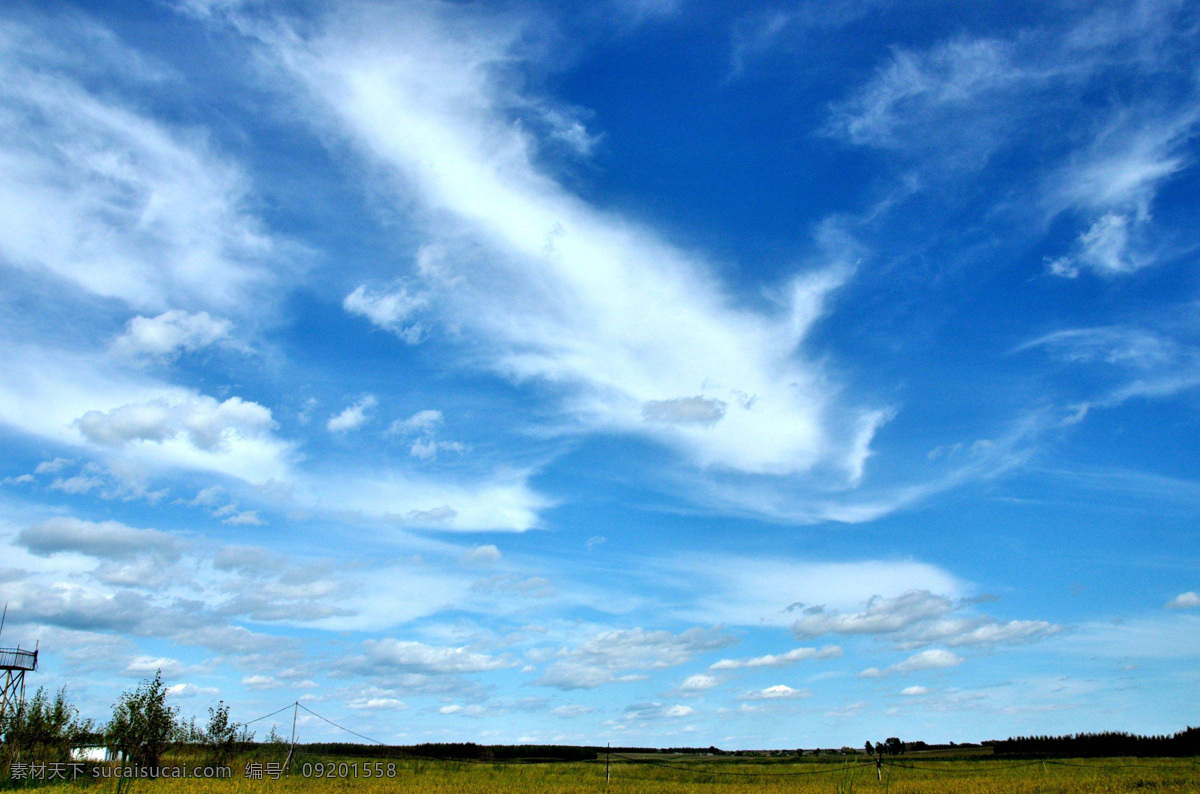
(424, 422)
(502, 502)
(552, 289)
(261, 682)
(99, 194)
(747, 591)
(914, 691)
(207, 424)
(187, 690)
(917, 618)
(777, 692)
(658, 711)
(143, 666)
(52, 466)
(624, 655)
(377, 704)
(352, 417)
(779, 660)
(931, 659)
(482, 554)
(881, 616)
(138, 421)
(390, 654)
(170, 333)
(106, 540)
(573, 710)
(698, 683)
(389, 309)
(1188, 600)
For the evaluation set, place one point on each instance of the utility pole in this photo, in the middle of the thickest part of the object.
(292, 746)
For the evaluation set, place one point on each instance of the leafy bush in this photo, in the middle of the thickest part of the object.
(143, 725)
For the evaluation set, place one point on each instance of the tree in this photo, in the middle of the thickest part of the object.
(142, 724)
(223, 736)
(43, 729)
(869, 747)
(894, 746)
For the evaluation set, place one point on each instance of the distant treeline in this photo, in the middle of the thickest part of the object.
(456, 750)
(1109, 744)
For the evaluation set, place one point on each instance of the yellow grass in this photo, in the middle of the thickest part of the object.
(691, 774)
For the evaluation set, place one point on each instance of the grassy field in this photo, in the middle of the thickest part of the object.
(691, 774)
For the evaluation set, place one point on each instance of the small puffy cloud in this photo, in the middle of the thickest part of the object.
(657, 711)
(931, 659)
(148, 665)
(171, 333)
(699, 683)
(377, 704)
(389, 309)
(881, 616)
(428, 448)
(777, 692)
(1188, 600)
(52, 466)
(913, 691)
(352, 417)
(421, 422)
(482, 554)
(622, 655)
(209, 425)
(594, 541)
(918, 618)
(186, 690)
(80, 483)
(109, 540)
(417, 657)
(574, 710)
(261, 682)
(779, 660)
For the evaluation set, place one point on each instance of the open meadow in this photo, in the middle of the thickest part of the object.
(665, 773)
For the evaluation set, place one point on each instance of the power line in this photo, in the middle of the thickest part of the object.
(272, 714)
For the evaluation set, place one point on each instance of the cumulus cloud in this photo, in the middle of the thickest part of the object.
(109, 540)
(352, 417)
(625, 654)
(777, 692)
(917, 618)
(657, 711)
(573, 710)
(699, 683)
(1188, 600)
(417, 657)
(207, 424)
(389, 309)
(779, 660)
(171, 333)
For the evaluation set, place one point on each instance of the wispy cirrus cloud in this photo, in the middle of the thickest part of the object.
(617, 320)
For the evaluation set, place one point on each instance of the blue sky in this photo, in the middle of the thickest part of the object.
(649, 372)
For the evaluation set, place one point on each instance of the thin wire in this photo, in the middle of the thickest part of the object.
(343, 727)
(272, 714)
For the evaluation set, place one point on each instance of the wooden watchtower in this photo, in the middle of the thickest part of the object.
(14, 664)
